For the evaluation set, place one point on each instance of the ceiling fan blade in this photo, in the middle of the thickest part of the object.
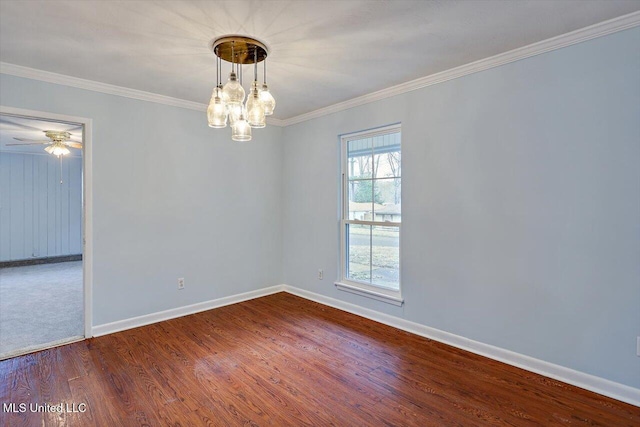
(73, 144)
(29, 143)
(41, 141)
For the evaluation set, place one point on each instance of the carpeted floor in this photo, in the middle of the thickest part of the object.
(40, 306)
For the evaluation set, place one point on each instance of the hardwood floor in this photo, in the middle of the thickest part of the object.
(282, 360)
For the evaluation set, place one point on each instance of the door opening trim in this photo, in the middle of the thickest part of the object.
(87, 198)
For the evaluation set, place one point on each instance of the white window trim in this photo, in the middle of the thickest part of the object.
(368, 290)
(362, 290)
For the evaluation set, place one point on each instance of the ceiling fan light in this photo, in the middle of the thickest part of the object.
(268, 100)
(57, 149)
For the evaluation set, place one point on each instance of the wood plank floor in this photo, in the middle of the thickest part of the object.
(281, 360)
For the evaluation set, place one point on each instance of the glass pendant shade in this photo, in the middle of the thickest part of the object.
(255, 109)
(217, 110)
(57, 149)
(217, 114)
(268, 100)
(240, 130)
(234, 111)
(232, 91)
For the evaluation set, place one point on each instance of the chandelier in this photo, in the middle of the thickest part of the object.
(228, 100)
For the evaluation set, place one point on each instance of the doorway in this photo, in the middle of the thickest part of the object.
(44, 262)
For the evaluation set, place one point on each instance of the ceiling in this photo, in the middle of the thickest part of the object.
(321, 52)
(12, 127)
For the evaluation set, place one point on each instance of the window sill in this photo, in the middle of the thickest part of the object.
(380, 296)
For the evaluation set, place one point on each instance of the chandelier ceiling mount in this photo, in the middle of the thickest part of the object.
(239, 49)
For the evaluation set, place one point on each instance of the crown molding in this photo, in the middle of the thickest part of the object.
(587, 33)
(597, 30)
(275, 122)
(61, 79)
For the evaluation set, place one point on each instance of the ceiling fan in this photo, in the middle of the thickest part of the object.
(58, 143)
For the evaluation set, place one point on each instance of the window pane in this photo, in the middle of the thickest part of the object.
(359, 159)
(386, 151)
(358, 246)
(385, 257)
(361, 199)
(387, 164)
(388, 194)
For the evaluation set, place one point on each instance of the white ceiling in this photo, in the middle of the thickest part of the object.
(322, 52)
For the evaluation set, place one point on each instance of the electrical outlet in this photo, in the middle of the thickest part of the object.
(320, 274)
(181, 283)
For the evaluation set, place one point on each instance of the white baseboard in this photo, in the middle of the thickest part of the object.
(147, 319)
(589, 382)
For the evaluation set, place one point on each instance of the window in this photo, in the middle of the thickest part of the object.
(371, 214)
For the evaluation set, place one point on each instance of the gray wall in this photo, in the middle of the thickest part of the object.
(39, 216)
(520, 209)
(172, 198)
